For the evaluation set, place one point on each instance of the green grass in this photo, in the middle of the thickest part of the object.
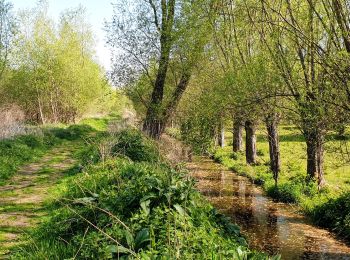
(292, 186)
(16, 152)
(133, 206)
(21, 150)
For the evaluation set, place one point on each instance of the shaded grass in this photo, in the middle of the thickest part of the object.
(13, 207)
(14, 153)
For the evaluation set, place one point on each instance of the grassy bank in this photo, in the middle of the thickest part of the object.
(329, 207)
(129, 204)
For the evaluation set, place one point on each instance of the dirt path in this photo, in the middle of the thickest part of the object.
(21, 200)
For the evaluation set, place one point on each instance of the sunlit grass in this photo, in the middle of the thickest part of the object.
(294, 158)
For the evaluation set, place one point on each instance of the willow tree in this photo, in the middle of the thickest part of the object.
(301, 45)
(162, 40)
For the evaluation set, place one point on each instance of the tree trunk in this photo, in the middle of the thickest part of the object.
(315, 156)
(152, 126)
(274, 150)
(41, 113)
(154, 122)
(250, 142)
(221, 135)
(238, 126)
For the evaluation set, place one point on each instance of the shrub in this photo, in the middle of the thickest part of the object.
(136, 146)
(73, 132)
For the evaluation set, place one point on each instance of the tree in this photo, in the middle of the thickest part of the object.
(7, 30)
(165, 37)
(54, 77)
(292, 48)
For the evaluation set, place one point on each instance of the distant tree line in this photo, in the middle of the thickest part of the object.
(49, 69)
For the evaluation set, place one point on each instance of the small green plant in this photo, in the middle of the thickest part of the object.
(136, 146)
(335, 214)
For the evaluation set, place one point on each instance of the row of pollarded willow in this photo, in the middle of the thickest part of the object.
(263, 60)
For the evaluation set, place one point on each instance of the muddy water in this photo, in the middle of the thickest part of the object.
(275, 228)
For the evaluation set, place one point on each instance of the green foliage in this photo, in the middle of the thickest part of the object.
(54, 76)
(198, 132)
(128, 143)
(100, 124)
(134, 210)
(334, 214)
(136, 146)
(173, 132)
(74, 132)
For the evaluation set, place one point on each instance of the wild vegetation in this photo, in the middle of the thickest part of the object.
(261, 86)
(258, 64)
(49, 72)
(133, 205)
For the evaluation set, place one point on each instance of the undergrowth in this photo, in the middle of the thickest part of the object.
(132, 205)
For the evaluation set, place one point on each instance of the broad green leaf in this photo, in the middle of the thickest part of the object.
(145, 207)
(141, 238)
(180, 209)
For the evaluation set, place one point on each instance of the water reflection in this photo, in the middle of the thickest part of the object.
(275, 228)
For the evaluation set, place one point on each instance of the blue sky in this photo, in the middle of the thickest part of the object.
(97, 12)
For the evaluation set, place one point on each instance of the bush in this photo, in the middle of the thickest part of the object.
(73, 132)
(136, 146)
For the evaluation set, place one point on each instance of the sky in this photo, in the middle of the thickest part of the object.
(97, 12)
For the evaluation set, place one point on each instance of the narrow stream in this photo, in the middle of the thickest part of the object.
(275, 228)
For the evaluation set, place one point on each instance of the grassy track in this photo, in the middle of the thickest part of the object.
(21, 200)
(33, 165)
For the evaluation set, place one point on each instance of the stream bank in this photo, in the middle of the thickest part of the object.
(272, 227)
